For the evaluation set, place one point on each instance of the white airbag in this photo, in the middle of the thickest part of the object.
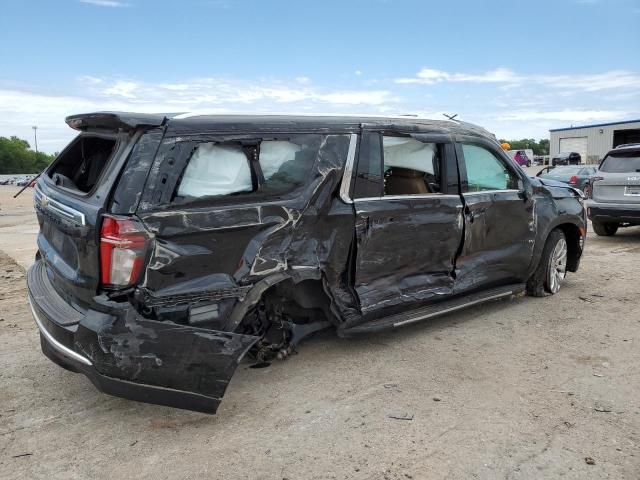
(216, 170)
(406, 152)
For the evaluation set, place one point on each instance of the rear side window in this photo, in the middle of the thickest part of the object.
(485, 171)
(254, 166)
(621, 163)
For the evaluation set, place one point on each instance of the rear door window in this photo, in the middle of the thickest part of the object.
(411, 167)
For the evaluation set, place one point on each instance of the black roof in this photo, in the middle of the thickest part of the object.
(185, 124)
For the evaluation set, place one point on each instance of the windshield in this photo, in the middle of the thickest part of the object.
(621, 163)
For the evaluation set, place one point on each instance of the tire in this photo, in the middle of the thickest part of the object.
(552, 268)
(605, 229)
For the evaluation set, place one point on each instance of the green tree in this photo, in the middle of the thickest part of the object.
(17, 157)
(539, 148)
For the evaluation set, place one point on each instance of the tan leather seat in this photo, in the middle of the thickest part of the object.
(404, 181)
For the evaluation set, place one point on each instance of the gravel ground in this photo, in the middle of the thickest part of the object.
(524, 388)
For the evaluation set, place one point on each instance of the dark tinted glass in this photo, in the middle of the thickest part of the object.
(368, 181)
(621, 163)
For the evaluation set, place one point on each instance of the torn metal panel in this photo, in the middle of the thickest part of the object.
(126, 346)
(242, 243)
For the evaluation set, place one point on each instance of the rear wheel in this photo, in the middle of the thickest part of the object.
(552, 268)
(605, 229)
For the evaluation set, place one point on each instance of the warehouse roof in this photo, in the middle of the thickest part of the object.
(594, 125)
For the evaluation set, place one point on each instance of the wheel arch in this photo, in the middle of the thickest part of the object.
(287, 279)
(574, 232)
(574, 239)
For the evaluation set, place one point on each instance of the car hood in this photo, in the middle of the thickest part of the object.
(555, 187)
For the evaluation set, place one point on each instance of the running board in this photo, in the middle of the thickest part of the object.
(431, 311)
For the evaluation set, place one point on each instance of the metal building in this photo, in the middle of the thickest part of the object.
(592, 142)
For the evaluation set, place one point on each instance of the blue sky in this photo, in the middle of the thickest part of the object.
(517, 68)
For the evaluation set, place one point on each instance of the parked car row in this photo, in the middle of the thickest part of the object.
(18, 181)
(612, 189)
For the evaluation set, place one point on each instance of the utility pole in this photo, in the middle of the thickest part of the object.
(35, 136)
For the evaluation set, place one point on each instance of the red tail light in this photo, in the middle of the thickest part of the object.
(123, 247)
(573, 180)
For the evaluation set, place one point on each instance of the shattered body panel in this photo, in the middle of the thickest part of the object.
(183, 358)
(204, 249)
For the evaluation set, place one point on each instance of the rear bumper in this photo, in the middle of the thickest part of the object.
(134, 358)
(613, 213)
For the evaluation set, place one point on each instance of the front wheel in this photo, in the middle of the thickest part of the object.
(605, 229)
(552, 269)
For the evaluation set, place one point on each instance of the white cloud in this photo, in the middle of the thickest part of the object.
(430, 76)
(529, 107)
(567, 116)
(122, 89)
(105, 3)
(215, 92)
(614, 79)
(20, 109)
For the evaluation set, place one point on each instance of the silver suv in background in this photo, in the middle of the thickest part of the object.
(615, 191)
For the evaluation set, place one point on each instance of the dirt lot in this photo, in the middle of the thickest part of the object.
(526, 388)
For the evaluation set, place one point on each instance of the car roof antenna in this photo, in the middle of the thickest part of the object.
(451, 117)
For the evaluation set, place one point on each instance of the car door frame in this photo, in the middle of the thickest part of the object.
(387, 296)
(495, 271)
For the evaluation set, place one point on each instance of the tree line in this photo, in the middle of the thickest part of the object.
(539, 148)
(17, 157)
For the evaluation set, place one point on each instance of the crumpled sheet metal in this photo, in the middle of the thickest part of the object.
(126, 346)
(309, 230)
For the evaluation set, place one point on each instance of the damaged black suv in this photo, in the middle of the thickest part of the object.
(171, 247)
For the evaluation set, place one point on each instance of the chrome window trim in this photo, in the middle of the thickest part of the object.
(345, 186)
(55, 343)
(406, 197)
(509, 190)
